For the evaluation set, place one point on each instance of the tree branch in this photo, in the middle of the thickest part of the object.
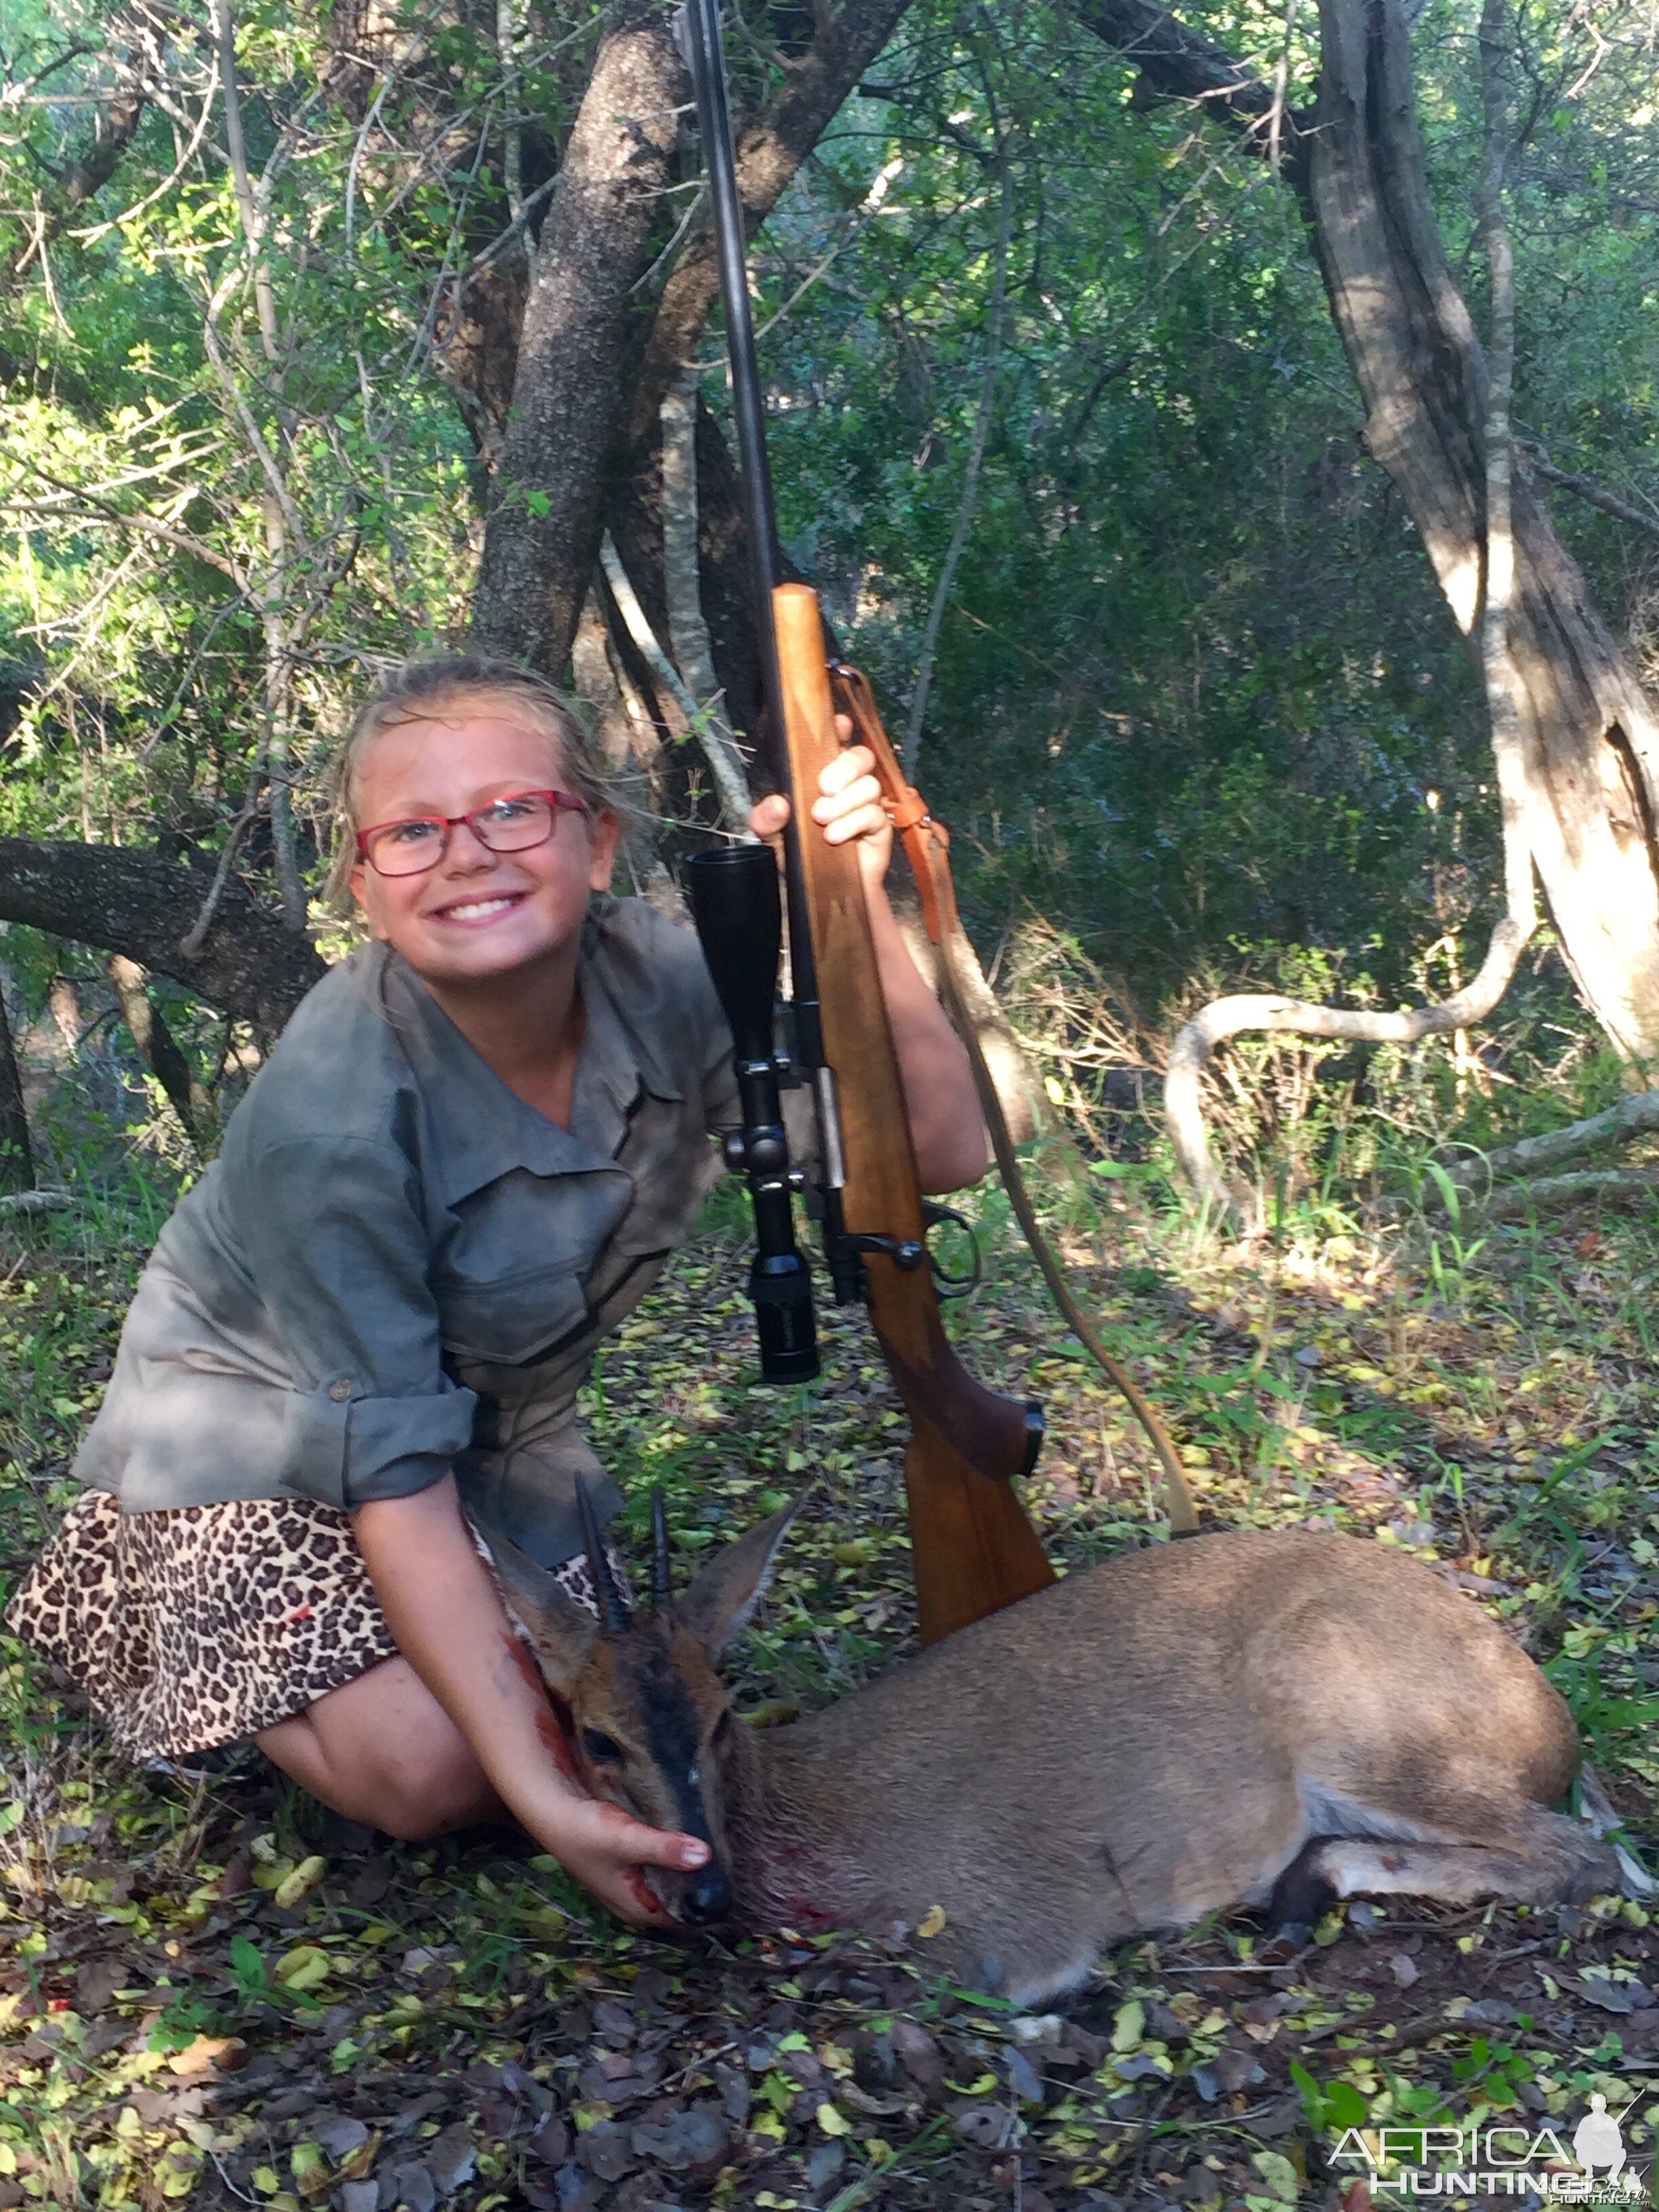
(1635, 1116)
(116, 126)
(17, 1152)
(982, 431)
(125, 899)
(1177, 63)
(681, 587)
(1593, 493)
(718, 750)
(770, 148)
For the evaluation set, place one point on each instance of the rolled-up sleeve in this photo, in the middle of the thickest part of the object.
(336, 1243)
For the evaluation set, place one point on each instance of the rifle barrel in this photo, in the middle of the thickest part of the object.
(703, 20)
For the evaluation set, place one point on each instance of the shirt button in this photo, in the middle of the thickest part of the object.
(339, 1391)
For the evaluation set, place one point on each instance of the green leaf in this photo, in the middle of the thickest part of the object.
(1279, 2173)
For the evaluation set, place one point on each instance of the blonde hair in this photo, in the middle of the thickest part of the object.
(431, 690)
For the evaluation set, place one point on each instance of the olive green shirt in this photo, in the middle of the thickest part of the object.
(396, 1264)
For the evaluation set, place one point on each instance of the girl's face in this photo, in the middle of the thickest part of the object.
(477, 915)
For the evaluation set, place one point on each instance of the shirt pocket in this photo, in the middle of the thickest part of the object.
(512, 1277)
(675, 1165)
(512, 1318)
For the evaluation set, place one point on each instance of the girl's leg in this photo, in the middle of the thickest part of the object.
(382, 1749)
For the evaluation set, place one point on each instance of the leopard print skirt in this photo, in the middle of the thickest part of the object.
(198, 1626)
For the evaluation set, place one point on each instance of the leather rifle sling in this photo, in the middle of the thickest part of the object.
(926, 842)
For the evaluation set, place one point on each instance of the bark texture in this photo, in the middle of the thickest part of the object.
(136, 903)
(16, 1153)
(598, 355)
(582, 332)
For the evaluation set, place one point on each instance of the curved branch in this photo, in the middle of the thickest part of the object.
(771, 147)
(132, 901)
(725, 763)
(1263, 1011)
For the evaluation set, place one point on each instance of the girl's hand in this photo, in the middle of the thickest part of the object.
(605, 1848)
(848, 807)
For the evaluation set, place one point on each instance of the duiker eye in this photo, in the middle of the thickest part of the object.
(600, 1747)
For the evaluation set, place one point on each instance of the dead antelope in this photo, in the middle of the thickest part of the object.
(1249, 1718)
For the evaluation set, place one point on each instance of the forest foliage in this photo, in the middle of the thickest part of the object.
(1195, 700)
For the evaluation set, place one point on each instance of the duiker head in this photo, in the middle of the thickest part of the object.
(644, 1712)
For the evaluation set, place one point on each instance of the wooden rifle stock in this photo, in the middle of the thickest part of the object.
(973, 1549)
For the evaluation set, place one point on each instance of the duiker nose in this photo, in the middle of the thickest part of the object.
(708, 1898)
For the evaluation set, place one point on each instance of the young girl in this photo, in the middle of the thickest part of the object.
(364, 1328)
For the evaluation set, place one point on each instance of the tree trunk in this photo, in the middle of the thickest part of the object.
(157, 1046)
(583, 332)
(595, 357)
(16, 1153)
(1588, 735)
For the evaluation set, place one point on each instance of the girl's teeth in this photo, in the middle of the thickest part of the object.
(479, 909)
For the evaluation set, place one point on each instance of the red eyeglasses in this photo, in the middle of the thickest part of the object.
(419, 841)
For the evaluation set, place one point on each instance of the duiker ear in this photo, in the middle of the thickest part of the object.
(721, 1598)
(562, 1631)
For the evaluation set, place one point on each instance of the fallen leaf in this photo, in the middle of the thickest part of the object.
(208, 2054)
(919, 2054)
(931, 1922)
(303, 1967)
(452, 2159)
(986, 2126)
(299, 1883)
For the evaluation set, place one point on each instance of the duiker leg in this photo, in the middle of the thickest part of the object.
(1523, 1853)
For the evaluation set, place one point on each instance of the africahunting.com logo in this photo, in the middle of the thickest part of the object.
(1590, 2166)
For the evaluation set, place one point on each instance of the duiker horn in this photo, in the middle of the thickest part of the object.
(613, 1606)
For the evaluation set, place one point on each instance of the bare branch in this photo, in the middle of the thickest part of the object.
(1593, 493)
(947, 575)
(682, 590)
(719, 750)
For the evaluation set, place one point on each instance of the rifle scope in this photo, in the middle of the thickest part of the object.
(735, 905)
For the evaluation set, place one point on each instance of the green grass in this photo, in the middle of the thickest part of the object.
(1482, 1394)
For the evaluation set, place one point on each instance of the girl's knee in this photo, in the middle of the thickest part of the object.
(415, 1792)
(399, 1765)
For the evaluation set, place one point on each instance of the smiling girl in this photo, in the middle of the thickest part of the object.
(358, 1343)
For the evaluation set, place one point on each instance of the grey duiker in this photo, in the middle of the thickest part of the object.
(1271, 1719)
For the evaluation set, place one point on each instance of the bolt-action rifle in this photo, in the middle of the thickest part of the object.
(973, 1548)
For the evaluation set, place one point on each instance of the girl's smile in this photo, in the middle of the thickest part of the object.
(477, 917)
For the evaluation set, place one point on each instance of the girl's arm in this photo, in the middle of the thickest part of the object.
(450, 1624)
(943, 1106)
